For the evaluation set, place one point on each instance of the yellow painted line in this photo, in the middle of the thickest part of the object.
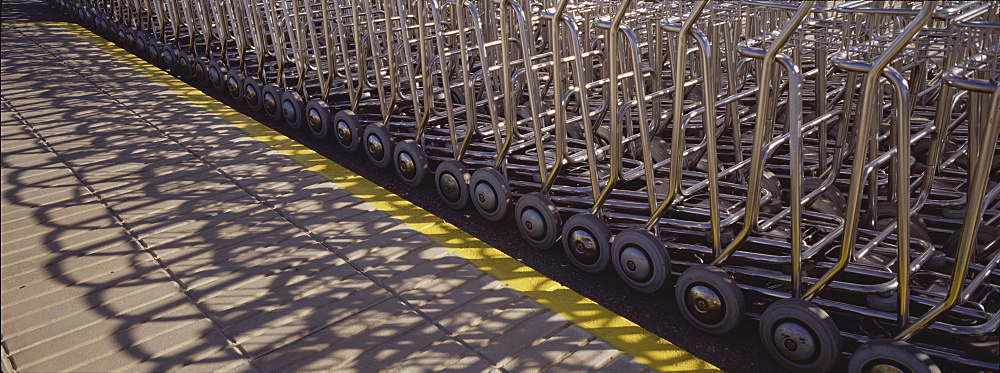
(621, 333)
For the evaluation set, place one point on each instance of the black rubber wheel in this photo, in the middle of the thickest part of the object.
(216, 75)
(293, 109)
(253, 93)
(800, 336)
(234, 84)
(410, 162)
(538, 220)
(168, 57)
(587, 242)
(153, 50)
(318, 118)
(490, 193)
(830, 202)
(378, 145)
(184, 65)
(640, 259)
(709, 299)
(889, 355)
(887, 212)
(347, 130)
(452, 181)
(199, 69)
(271, 101)
(984, 237)
(137, 41)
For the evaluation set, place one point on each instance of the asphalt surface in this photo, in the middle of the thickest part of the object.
(739, 351)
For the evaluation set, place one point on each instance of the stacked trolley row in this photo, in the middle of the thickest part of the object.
(827, 168)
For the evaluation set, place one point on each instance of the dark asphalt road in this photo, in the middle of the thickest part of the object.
(739, 351)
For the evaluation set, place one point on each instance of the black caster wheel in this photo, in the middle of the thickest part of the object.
(216, 75)
(138, 41)
(800, 336)
(587, 242)
(293, 109)
(982, 247)
(347, 127)
(640, 260)
(318, 118)
(168, 58)
(491, 194)
(152, 53)
(253, 94)
(378, 145)
(199, 69)
(234, 84)
(538, 220)
(830, 202)
(410, 162)
(121, 36)
(889, 355)
(130, 40)
(452, 181)
(709, 299)
(271, 101)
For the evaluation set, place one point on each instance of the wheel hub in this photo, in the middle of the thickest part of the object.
(407, 165)
(288, 109)
(315, 120)
(251, 93)
(450, 187)
(533, 223)
(704, 303)
(168, 57)
(375, 147)
(234, 86)
(269, 102)
(214, 75)
(584, 245)
(344, 132)
(487, 197)
(636, 264)
(795, 342)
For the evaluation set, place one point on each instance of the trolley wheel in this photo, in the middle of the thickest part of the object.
(137, 41)
(640, 260)
(168, 58)
(452, 181)
(889, 355)
(490, 193)
(710, 299)
(271, 101)
(234, 84)
(587, 241)
(830, 202)
(800, 336)
(348, 129)
(538, 220)
(984, 237)
(216, 74)
(318, 118)
(378, 145)
(293, 109)
(887, 213)
(410, 162)
(199, 69)
(153, 49)
(121, 35)
(253, 90)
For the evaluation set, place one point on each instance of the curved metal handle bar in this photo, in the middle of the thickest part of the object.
(761, 128)
(866, 126)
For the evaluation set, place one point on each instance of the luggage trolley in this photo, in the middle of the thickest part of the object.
(972, 281)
